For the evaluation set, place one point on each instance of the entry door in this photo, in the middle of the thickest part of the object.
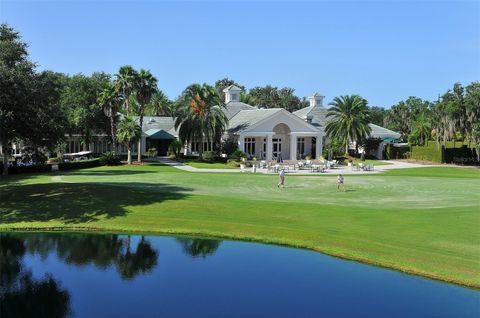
(277, 147)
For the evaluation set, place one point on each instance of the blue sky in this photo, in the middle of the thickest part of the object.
(382, 50)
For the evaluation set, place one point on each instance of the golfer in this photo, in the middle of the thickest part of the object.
(281, 174)
(340, 182)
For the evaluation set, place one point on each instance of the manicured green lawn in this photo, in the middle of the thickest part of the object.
(424, 221)
(206, 165)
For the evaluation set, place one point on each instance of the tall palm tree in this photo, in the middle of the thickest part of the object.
(146, 88)
(128, 132)
(348, 122)
(126, 83)
(200, 117)
(109, 101)
(159, 105)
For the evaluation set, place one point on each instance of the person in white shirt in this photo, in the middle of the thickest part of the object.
(281, 174)
(340, 182)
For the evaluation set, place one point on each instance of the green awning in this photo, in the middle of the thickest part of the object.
(390, 140)
(159, 134)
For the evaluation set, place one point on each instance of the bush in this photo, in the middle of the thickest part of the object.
(392, 152)
(79, 164)
(233, 163)
(110, 159)
(238, 154)
(27, 169)
(209, 156)
(229, 146)
(152, 152)
(174, 148)
(430, 152)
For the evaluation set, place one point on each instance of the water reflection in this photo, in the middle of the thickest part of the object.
(20, 294)
(196, 247)
(103, 251)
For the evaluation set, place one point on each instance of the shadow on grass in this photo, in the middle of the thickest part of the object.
(80, 202)
(106, 173)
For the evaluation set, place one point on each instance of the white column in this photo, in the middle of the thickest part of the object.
(241, 142)
(269, 147)
(185, 149)
(318, 146)
(293, 146)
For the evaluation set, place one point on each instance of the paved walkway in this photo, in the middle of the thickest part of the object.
(341, 169)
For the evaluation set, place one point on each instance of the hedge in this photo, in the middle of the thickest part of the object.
(462, 153)
(392, 152)
(430, 152)
(48, 167)
(79, 164)
(27, 169)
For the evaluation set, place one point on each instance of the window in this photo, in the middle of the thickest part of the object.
(301, 146)
(250, 146)
(234, 97)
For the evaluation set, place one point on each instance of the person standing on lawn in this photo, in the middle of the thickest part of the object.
(281, 174)
(340, 181)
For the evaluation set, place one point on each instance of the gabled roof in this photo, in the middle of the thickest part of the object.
(381, 132)
(231, 88)
(159, 134)
(318, 114)
(247, 118)
(232, 108)
(156, 122)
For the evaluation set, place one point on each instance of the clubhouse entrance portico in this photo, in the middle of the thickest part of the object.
(280, 135)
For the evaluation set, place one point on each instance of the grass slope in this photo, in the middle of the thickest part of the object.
(423, 221)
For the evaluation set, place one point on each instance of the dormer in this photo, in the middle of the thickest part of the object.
(316, 100)
(232, 94)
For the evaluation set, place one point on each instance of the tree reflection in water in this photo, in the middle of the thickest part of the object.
(20, 294)
(196, 247)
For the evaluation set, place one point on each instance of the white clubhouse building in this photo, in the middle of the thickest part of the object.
(266, 134)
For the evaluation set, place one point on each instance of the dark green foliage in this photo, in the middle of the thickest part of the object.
(110, 159)
(237, 155)
(28, 169)
(80, 164)
(392, 152)
(371, 144)
(377, 115)
(272, 97)
(209, 156)
(175, 147)
(348, 119)
(200, 116)
(229, 146)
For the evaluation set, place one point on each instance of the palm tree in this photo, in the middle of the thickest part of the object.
(200, 117)
(146, 88)
(159, 105)
(109, 101)
(126, 83)
(349, 119)
(128, 132)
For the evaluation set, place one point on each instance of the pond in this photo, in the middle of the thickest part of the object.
(93, 275)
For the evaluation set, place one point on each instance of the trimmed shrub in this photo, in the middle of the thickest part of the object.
(430, 152)
(392, 152)
(208, 156)
(27, 169)
(110, 159)
(237, 155)
(79, 164)
(229, 146)
(174, 148)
